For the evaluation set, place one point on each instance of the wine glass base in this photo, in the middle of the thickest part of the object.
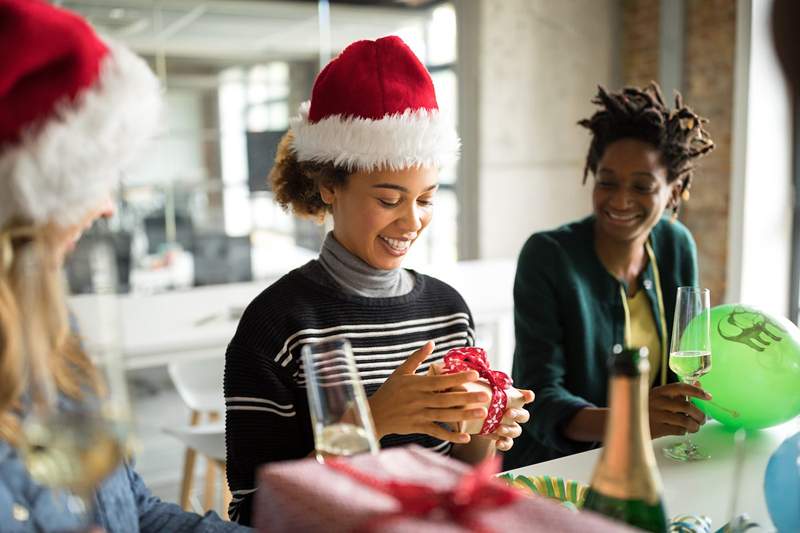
(685, 452)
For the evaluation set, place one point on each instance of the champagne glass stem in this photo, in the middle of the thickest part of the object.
(687, 438)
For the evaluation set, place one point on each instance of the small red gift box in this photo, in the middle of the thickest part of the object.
(403, 490)
(498, 384)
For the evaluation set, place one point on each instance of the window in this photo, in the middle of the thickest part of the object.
(196, 209)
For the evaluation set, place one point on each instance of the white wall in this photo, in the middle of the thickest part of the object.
(539, 65)
(761, 189)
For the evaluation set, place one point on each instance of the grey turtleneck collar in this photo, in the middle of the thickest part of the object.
(357, 277)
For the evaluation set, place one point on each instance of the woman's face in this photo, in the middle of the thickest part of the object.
(67, 236)
(630, 190)
(378, 215)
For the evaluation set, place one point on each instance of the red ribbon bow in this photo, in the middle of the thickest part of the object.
(470, 358)
(476, 490)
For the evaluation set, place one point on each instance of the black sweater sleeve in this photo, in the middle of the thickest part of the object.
(266, 419)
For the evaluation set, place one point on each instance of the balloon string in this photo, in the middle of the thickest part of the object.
(733, 412)
(738, 442)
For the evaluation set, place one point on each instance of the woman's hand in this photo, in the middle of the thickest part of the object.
(671, 411)
(410, 403)
(509, 429)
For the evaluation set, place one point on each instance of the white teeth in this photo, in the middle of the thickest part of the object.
(620, 217)
(396, 244)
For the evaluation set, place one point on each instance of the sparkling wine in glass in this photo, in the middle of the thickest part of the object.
(690, 354)
(73, 452)
(342, 421)
(71, 443)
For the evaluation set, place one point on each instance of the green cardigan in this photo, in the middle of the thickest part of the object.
(568, 314)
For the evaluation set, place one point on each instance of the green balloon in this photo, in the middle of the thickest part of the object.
(755, 368)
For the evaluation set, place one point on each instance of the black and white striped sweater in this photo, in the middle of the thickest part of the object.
(267, 416)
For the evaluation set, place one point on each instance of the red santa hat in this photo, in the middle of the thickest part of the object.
(374, 107)
(73, 110)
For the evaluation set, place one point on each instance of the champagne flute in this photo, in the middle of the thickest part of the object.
(340, 414)
(71, 443)
(690, 354)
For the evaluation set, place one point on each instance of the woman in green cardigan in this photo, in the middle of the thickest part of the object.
(609, 279)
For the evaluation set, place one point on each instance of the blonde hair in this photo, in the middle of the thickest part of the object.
(35, 334)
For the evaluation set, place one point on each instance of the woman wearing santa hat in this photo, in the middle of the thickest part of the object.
(366, 149)
(73, 109)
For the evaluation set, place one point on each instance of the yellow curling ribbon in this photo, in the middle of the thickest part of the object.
(564, 490)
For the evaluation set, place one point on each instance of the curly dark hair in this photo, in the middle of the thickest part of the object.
(296, 184)
(641, 114)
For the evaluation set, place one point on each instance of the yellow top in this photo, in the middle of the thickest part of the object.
(643, 330)
(658, 353)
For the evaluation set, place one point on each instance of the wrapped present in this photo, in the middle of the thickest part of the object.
(498, 384)
(404, 490)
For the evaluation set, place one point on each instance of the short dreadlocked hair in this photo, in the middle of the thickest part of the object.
(641, 114)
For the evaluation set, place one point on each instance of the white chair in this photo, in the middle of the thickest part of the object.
(199, 384)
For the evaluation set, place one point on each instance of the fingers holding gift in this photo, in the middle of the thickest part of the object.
(527, 395)
(457, 399)
(504, 444)
(511, 431)
(504, 436)
(443, 382)
(455, 414)
(518, 415)
(442, 433)
(410, 365)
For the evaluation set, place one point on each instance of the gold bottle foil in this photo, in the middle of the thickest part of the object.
(627, 467)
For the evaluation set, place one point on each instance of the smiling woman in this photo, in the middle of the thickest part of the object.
(378, 214)
(609, 279)
(366, 150)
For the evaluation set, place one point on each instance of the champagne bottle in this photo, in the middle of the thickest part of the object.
(625, 485)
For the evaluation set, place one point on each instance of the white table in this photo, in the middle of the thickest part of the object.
(699, 488)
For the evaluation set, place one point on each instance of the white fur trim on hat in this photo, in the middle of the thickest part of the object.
(415, 138)
(62, 169)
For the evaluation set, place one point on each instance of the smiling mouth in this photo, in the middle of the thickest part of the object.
(618, 217)
(398, 245)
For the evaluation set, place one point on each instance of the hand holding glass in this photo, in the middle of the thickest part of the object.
(72, 443)
(690, 353)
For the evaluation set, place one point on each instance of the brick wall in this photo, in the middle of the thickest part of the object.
(708, 88)
(640, 41)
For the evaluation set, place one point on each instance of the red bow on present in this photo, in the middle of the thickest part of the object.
(470, 358)
(476, 490)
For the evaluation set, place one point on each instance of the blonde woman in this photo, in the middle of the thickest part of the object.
(73, 109)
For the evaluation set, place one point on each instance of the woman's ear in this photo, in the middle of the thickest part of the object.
(675, 193)
(328, 193)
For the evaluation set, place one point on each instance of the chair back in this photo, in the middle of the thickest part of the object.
(199, 383)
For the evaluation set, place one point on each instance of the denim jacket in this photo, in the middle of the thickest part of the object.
(123, 504)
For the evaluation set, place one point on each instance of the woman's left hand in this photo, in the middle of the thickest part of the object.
(510, 428)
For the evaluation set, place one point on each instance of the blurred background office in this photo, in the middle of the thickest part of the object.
(197, 236)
